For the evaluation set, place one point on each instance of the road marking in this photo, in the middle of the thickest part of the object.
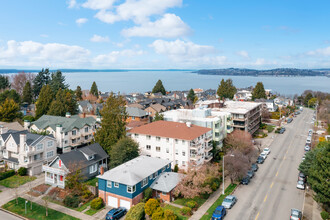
(276, 173)
(265, 198)
(284, 158)
(257, 216)
(272, 185)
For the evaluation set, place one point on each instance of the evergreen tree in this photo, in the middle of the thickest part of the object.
(113, 124)
(44, 101)
(94, 91)
(27, 93)
(10, 94)
(158, 117)
(71, 102)
(191, 95)
(58, 106)
(159, 88)
(226, 89)
(4, 82)
(78, 93)
(259, 92)
(57, 81)
(124, 150)
(41, 79)
(9, 110)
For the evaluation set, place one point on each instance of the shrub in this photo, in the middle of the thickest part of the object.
(97, 203)
(147, 194)
(29, 118)
(86, 194)
(191, 204)
(136, 212)
(185, 211)
(7, 174)
(71, 201)
(158, 214)
(176, 168)
(151, 206)
(325, 215)
(22, 171)
(170, 215)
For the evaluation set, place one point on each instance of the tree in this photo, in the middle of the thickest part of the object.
(10, 94)
(75, 178)
(46, 206)
(9, 110)
(94, 91)
(58, 106)
(265, 115)
(78, 93)
(42, 78)
(237, 164)
(159, 88)
(27, 93)
(151, 206)
(20, 79)
(136, 212)
(226, 89)
(113, 124)
(312, 102)
(191, 95)
(124, 150)
(4, 82)
(158, 117)
(71, 102)
(307, 98)
(57, 81)
(44, 101)
(259, 91)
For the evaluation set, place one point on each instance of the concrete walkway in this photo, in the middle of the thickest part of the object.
(209, 202)
(311, 209)
(175, 205)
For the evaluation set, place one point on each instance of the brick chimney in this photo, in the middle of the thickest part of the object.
(102, 170)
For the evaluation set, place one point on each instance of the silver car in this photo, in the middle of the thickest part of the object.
(229, 201)
(300, 185)
(295, 214)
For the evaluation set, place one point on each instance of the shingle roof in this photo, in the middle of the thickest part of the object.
(136, 112)
(171, 129)
(31, 139)
(158, 107)
(134, 171)
(12, 125)
(84, 103)
(166, 181)
(67, 123)
(135, 105)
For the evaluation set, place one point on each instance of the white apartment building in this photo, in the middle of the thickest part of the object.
(182, 143)
(23, 149)
(219, 122)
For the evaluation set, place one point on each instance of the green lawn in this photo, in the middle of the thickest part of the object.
(92, 182)
(270, 128)
(15, 181)
(83, 207)
(92, 211)
(176, 210)
(183, 201)
(210, 211)
(38, 212)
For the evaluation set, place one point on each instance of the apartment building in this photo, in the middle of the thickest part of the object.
(182, 143)
(69, 131)
(24, 149)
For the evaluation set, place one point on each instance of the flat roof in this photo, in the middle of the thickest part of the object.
(237, 107)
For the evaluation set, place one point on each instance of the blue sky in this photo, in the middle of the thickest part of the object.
(162, 34)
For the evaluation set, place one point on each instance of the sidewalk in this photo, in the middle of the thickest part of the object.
(311, 209)
(209, 202)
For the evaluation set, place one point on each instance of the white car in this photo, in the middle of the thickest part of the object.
(303, 158)
(307, 148)
(263, 155)
(266, 150)
(300, 185)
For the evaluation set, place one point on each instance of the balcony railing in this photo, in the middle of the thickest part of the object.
(209, 147)
(195, 156)
(208, 157)
(208, 138)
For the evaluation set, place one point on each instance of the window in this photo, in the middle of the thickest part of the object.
(176, 141)
(133, 118)
(49, 175)
(74, 132)
(86, 129)
(183, 153)
(115, 184)
(164, 168)
(168, 165)
(167, 150)
(144, 182)
(150, 177)
(86, 137)
(167, 140)
(148, 147)
(155, 175)
(183, 141)
(176, 151)
(183, 163)
(37, 157)
(109, 184)
(66, 133)
(93, 168)
(91, 157)
(131, 189)
(65, 142)
(26, 159)
(50, 154)
(158, 138)
(49, 143)
(74, 140)
(26, 147)
(148, 137)
(158, 149)
(39, 147)
(176, 162)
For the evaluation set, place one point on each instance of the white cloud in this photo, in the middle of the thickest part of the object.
(260, 62)
(81, 21)
(98, 4)
(320, 52)
(243, 54)
(98, 38)
(105, 59)
(168, 26)
(44, 35)
(72, 3)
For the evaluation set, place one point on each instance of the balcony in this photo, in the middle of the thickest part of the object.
(208, 157)
(195, 156)
(208, 147)
(194, 145)
(208, 138)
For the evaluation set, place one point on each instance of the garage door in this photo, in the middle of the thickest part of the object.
(126, 204)
(37, 170)
(112, 201)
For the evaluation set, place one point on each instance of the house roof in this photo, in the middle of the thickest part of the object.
(134, 124)
(171, 129)
(77, 156)
(134, 171)
(136, 105)
(166, 181)
(84, 103)
(158, 107)
(135, 112)
(31, 139)
(12, 125)
(68, 124)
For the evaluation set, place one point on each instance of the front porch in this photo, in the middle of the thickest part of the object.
(54, 176)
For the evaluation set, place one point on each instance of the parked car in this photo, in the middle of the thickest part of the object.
(229, 202)
(263, 155)
(307, 148)
(250, 173)
(282, 130)
(309, 140)
(116, 213)
(254, 167)
(301, 177)
(295, 214)
(300, 184)
(289, 120)
(303, 158)
(219, 213)
(245, 180)
(260, 160)
(266, 150)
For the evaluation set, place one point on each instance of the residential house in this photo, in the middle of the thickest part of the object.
(123, 185)
(136, 114)
(5, 126)
(163, 187)
(24, 149)
(243, 95)
(136, 105)
(268, 104)
(182, 143)
(88, 160)
(85, 107)
(69, 131)
(155, 108)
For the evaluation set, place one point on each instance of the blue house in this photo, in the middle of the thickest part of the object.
(123, 185)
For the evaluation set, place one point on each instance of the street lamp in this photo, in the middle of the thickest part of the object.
(223, 172)
(25, 205)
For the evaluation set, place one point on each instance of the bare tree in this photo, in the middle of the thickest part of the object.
(19, 80)
(16, 194)
(236, 164)
(265, 115)
(46, 206)
(30, 188)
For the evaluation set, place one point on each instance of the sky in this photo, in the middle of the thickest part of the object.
(164, 34)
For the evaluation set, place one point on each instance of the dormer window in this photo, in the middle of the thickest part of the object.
(91, 157)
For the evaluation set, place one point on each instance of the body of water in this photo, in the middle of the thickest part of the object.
(142, 81)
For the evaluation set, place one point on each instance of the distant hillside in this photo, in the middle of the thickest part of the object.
(272, 72)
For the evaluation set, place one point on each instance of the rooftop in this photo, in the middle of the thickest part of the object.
(136, 112)
(166, 181)
(237, 107)
(31, 139)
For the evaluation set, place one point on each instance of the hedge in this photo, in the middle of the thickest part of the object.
(71, 201)
(185, 211)
(136, 212)
(97, 203)
(7, 174)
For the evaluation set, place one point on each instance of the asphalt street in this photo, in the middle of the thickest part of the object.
(272, 192)
(7, 216)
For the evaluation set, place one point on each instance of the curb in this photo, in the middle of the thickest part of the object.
(12, 213)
